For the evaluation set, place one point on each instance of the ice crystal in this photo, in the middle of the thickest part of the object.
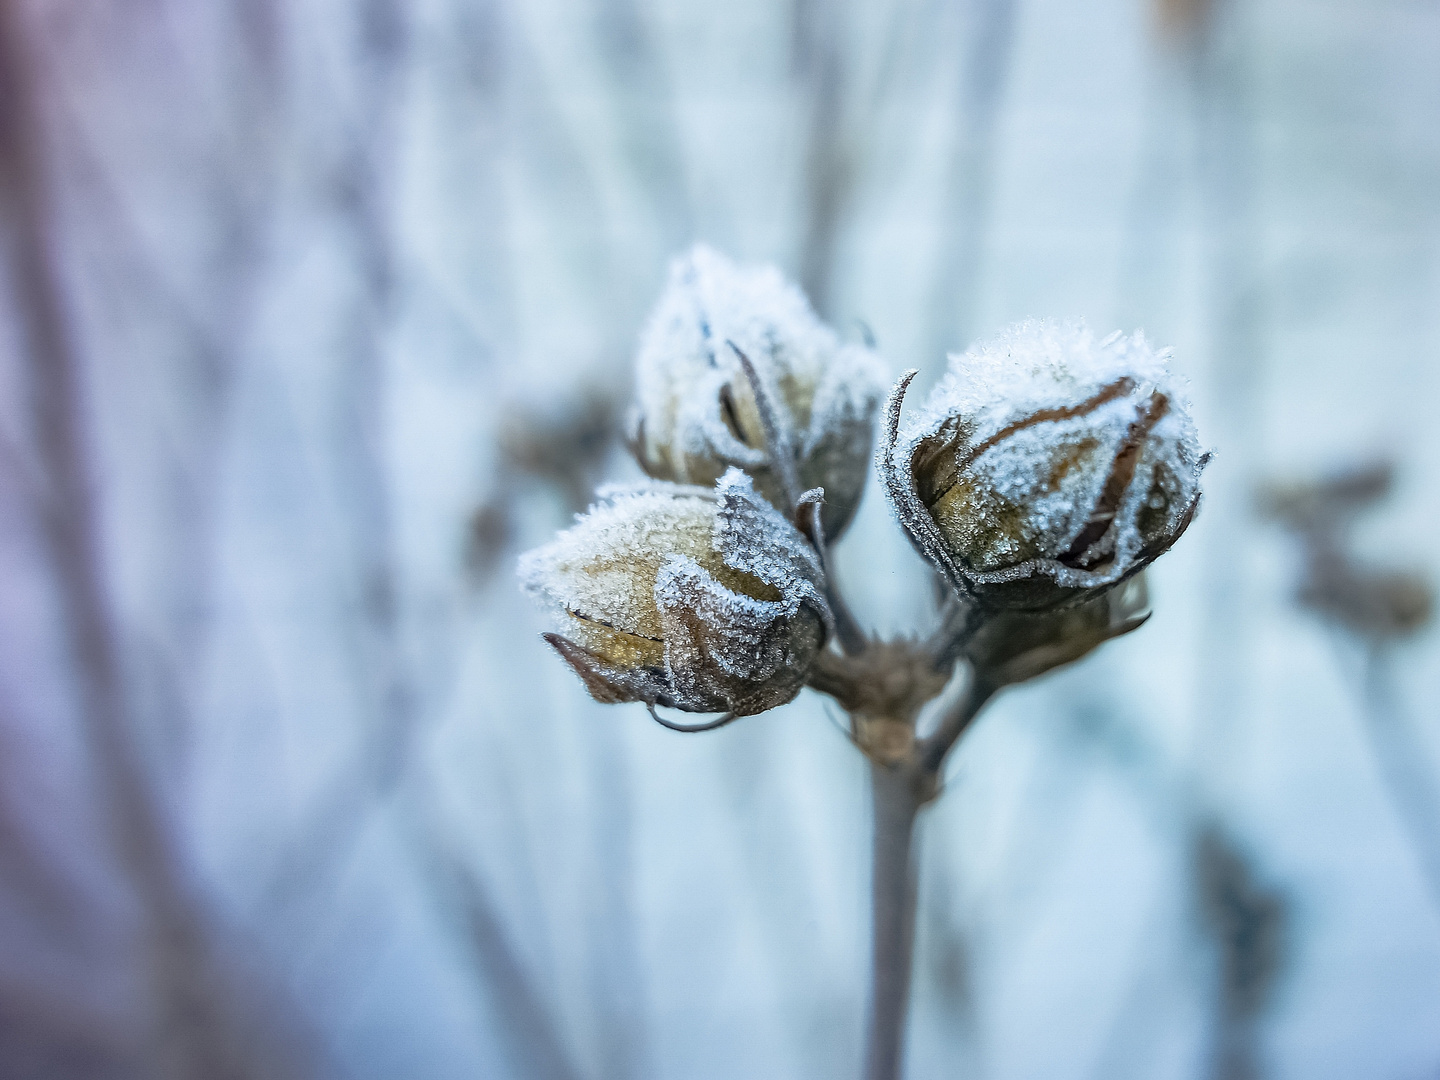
(696, 413)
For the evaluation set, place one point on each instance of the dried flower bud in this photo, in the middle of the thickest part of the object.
(1046, 466)
(1327, 504)
(702, 599)
(696, 413)
(1376, 604)
(1373, 602)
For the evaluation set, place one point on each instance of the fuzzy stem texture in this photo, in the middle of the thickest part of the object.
(893, 892)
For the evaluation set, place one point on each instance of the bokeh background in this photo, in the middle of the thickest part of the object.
(314, 314)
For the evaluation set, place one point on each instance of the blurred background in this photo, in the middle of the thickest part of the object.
(314, 314)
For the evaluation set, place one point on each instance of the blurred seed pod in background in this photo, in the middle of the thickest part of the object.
(1377, 603)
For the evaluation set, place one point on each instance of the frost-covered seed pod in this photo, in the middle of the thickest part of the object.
(695, 413)
(701, 599)
(1047, 466)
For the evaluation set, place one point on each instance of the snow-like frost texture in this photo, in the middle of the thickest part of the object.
(695, 413)
(753, 537)
(605, 565)
(704, 599)
(1037, 364)
(1038, 417)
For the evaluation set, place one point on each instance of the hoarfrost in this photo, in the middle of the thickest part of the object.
(725, 650)
(694, 597)
(753, 537)
(1060, 455)
(695, 412)
(1039, 363)
(608, 560)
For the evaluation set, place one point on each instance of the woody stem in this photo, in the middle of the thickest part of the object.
(893, 934)
(847, 627)
(898, 792)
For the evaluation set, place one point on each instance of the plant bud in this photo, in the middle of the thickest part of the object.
(701, 599)
(696, 414)
(1047, 466)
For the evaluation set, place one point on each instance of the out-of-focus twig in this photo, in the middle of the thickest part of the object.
(532, 1040)
(966, 207)
(1375, 607)
(1247, 922)
(841, 107)
(561, 447)
(1402, 759)
(202, 1021)
(644, 106)
(364, 197)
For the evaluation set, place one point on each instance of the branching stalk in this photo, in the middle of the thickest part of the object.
(934, 748)
(884, 687)
(899, 792)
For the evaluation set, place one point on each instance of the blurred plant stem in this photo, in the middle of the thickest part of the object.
(204, 1017)
(1401, 757)
(530, 1038)
(904, 777)
(969, 175)
(1373, 606)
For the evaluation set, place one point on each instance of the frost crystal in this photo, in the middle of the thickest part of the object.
(1047, 465)
(696, 414)
(702, 599)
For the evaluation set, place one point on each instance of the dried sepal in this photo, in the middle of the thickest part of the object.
(699, 599)
(607, 683)
(697, 413)
(1015, 646)
(744, 658)
(1046, 467)
(899, 486)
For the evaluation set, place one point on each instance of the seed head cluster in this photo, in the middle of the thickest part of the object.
(1046, 468)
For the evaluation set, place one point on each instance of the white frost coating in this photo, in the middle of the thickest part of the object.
(752, 536)
(607, 561)
(1077, 401)
(695, 413)
(1037, 364)
(715, 580)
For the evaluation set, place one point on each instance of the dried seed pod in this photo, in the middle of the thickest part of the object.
(702, 599)
(1326, 505)
(696, 413)
(1046, 466)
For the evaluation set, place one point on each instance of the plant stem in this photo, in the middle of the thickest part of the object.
(1401, 758)
(893, 893)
